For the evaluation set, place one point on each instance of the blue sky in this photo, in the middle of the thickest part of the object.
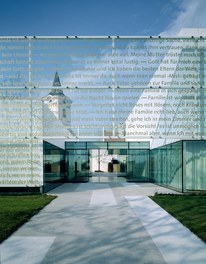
(99, 17)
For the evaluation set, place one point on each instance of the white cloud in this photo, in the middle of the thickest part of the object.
(192, 15)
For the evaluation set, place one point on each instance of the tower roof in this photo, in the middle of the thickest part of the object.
(56, 83)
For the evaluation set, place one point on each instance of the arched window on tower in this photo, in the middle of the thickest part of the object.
(64, 114)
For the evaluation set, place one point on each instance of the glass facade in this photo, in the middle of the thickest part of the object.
(121, 158)
(180, 165)
(194, 165)
(77, 165)
(54, 166)
(112, 99)
(138, 165)
(166, 165)
(121, 87)
(21, 149)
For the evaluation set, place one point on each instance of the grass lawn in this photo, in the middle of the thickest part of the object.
(17, 209)
(190, 210)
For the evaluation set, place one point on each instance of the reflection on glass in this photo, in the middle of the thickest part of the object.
(166, 165)
(86, 158)
(54, 165)
(194, 156)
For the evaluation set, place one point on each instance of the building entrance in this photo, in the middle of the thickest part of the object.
(99, 159)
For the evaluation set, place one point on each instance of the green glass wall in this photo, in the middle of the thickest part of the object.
(138, 165)
(180, 165)
(166, 165)
(194, 167)
(54, 166)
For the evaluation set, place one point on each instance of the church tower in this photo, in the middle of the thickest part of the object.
(58, 103)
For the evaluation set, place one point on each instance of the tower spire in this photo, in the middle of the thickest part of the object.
(56, 81)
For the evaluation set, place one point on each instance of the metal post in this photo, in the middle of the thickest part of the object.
(30, 61)
(31, 109)
(113, 87)
(202, 95)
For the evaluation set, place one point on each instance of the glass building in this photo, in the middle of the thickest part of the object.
(71, 107)
(179, 165)
(125, 159)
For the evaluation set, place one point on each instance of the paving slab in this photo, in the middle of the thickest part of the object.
(94, 223)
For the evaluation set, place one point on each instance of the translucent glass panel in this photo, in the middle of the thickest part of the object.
(106, 81)
(167, 114)
(138, 165)
(54, 165)
(92, 62)
(14, 58)
(21, 149)
(159, 62)
(82, 62)
(91, 112)
(21, 163)
(112, 89)
(20, 115)
(194, 165)
(183, 114)
(77, 113)
(166, 165)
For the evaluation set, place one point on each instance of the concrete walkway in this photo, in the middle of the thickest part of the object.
(94, 223)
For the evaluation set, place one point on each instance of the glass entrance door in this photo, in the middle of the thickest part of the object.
(77, 165)
(125, 159)
(108, 161)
